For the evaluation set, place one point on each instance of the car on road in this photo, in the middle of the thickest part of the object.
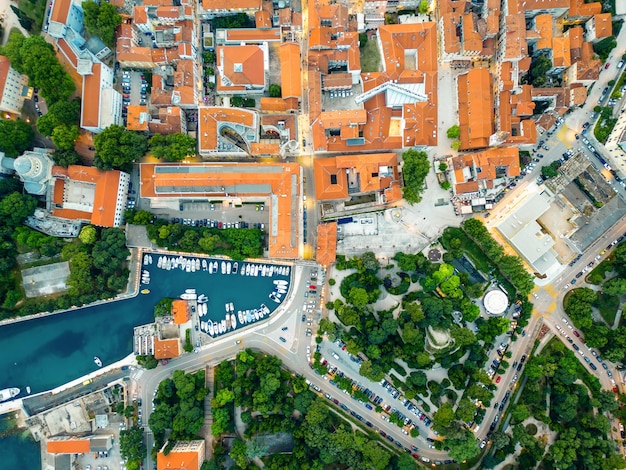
(498, 379)
(576, 334)
(282, 339)
(608, 64)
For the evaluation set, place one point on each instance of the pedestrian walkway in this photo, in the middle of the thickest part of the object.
(205, 432)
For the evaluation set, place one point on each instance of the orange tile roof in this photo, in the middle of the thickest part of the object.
(398, 38)
(138, 118)
(252, 35)
(231, 5)
(60, 11)
(290, 70)
(178, 461)
(604, 25)
(68, 446)
(528, 5)
(451, 40)
(330, 182)
(473, 168)
(472, 39)
(180, 311)
(241, 65)
(254, 179)
(67, 51)
(580, 8)
(561, 56)
(265, 148)
(326, 252)
(262, 19)
(5, 66)
(140, 14)
(166, 348)
(209, 119)
(516, 46)
(90, 109)
(476, 112)
(543, 25)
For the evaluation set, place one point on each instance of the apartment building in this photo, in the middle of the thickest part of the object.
(14, 88)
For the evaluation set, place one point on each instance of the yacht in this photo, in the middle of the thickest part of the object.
(228, 267)
(204, 265)
(235, 267)
(98, 361)
(265, 309)
(9, 393)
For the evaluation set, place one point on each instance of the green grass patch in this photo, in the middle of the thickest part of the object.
(608, 306)
(370, 57)
(605, 124)
(34, 10)
(598, 274)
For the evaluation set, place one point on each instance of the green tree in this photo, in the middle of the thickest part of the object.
(519, 413)
(463, 447)
(370, 262)
(615, 286)
(238, 453)
(255, 448)
(455, 131)
(414, 172)
(423, 8)
(88, 235)
(132, 446)
(358, 297)
(443, 417)
(275, 91)
(15, 207)
(172, 147)
(66, 158)
(539, 67)
(64, 137)
(16, 136)
(223, 397)
(118, 148)
(549, 171)
(101, 19)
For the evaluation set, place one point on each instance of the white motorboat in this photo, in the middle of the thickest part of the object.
(210, 268)
(265, 309)
(190, 291)
(160, 262)
(228, 267)
(280, 282)
(224, 326)
(187, 267)
(235, 267)
(256, 270)
(271, 271)
(187, 296)
(233, 319)
(9, 393)
(248, 316)
(223, 267)
(226, 307)
(240, 316)
(287, 271)
(256, 314)
(193, 267)
(197, 264)
(232, 307)
(145, 260)
(204, 265)
(98, 361)
(205, 309)
(220, 328)
(281, 290)
(209, 327)
(247, 269)
(202, 298)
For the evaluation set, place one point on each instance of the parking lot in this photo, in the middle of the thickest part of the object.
(134, 90)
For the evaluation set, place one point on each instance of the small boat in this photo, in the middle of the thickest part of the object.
(210, 268)
(281, 290)
(248, 316)
(98, 361)
(223, 323)
(168, 264)
(197, 264)
(220, 328)
(287, 271)
(280, 282)
(190, 291)
(145, 291)
(247, 269)
(145, 260)
(210, 327)
(232, 307)
(256, 314)
(9, 393)
(233, 320)
(215, 266)
(235, 267)
(193, 267)
(240, 316)
(264, 308)
(228, 267)
(271, 271)
(204, 265)
(188, 296)
(256, 270)
(274, 297)
(226, 306)
(205, 309)
(202, 298)
(27, 389)
(160, 262)
(188, 266)
(243, 271)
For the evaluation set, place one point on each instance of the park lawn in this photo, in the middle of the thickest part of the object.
(34, 10)
(608, 306)
(370, 57)
(598, 274)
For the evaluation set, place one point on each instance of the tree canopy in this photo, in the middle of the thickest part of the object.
(118, 148)
(16, 136)
(414, 171)
(102, 19)
(172, 147)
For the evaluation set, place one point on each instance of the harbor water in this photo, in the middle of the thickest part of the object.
(46, 352)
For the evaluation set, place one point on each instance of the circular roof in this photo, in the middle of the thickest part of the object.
(22, 165)
(495, 302)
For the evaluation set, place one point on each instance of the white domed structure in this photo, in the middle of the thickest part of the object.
(495, 302)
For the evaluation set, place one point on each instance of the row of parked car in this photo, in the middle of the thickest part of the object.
(216, 224)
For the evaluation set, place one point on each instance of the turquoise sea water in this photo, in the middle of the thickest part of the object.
(44, 353)
(18, 451)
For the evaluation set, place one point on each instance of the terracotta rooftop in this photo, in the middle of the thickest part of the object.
(326, 252)
(210, 118)
(604, 25)
(251, 35)
(68, 446)
(241, 66)
(180, 311)
(290, 70)
(138, 118)
(580, 8)
(60, 11)
(179, 461)
(473, 168)
(166, 348)
(231, 5)
(543, 25)
(240, 180)
(476, 112)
